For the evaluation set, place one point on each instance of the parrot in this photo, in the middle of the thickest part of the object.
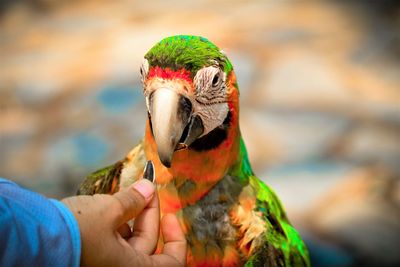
(203, 174)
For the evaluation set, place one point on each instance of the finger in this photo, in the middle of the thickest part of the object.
(121, 254)
(147, 228)
(125, 231)
(174, 239)
(130, 202)
(127, 256)
(165, 260)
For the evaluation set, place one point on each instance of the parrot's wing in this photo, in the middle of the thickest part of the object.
(269, 255)
(110, 179)
(282, 248)
(279, 244)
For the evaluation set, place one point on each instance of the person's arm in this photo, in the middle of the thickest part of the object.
(36, 231)
(87, 230)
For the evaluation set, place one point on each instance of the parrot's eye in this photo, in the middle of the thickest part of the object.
(144, 69)
(210, 85)
(215, 80)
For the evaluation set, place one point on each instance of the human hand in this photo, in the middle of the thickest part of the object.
(107, 239)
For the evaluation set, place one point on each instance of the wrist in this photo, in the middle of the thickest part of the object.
(73, 229)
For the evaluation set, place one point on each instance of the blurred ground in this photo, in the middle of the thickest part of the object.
(320, 103)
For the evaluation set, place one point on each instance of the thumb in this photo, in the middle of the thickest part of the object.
(130, 202)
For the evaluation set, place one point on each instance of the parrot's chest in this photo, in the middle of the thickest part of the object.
(211, 236)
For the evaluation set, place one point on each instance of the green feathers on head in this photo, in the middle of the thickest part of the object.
(187, 52)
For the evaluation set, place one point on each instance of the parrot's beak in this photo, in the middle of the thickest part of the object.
(173, 122)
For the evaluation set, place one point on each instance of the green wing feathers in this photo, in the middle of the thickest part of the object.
(119, 175)
(103, 181)
(282, 245)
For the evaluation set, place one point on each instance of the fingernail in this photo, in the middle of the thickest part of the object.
(144, 187)
(149, 171)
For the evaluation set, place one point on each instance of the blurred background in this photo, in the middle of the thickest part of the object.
(320, 103)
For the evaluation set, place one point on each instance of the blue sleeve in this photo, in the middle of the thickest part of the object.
(36, 231)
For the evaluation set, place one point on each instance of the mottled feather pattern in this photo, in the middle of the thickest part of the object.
(208, 223)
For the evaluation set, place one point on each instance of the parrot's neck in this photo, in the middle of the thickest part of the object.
(194, 173)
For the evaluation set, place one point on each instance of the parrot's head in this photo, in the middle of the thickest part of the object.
(191, 95)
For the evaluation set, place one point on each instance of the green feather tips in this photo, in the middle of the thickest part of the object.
(242, 170)
(187, 52)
